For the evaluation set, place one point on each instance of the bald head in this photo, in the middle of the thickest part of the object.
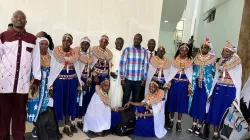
(19, 19)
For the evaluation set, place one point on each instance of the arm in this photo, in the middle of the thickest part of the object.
(36, 65)
(123, 63)
(145, 67)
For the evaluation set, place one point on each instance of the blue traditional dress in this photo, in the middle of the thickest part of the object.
(63, 79)
(203, 74)
(100, 68)
(225, 89)
(38, 103)
(180, 82)
(84, 62)
(151, 126)
(158, 71)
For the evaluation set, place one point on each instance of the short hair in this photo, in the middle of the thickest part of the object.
(10, 25)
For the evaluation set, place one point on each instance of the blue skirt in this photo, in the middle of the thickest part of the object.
(177, 100)
(115, 119)
(221, 99)
(198, 107)
(144, 126)
(65, 95)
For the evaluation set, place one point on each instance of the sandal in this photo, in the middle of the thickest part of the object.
(67, 131)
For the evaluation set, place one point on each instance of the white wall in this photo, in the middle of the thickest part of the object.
(166, 39)
(91, 18)
(226, 25)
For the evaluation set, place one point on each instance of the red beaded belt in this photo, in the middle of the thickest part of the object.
(101, 72)
(177, 79)
(67, 76)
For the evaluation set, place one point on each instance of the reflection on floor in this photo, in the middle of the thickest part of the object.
(171, 135)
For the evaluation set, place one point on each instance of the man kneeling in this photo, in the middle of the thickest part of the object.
(150, 113)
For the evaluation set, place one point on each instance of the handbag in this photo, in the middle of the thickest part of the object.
(205, 130)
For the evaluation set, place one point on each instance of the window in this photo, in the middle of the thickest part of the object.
(211, 16)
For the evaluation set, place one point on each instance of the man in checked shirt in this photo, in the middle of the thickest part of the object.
(133, 71)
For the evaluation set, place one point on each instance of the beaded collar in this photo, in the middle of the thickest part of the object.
(83, 57)
(60, 55)
(151, 99)
(160, 63)
(204, 59)
(182, 63)
(101, 53)
(45, 60)
(234, 61)
(103, 95)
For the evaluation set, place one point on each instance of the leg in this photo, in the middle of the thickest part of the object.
(171, 122)
(18, 115)
(178, 124)
(127, 93)
(5, 115)
(136, 91)
(66, 128)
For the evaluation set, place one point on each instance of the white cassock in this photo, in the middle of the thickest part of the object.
(115, 92)
(98, 115)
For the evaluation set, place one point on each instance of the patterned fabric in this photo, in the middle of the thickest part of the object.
(38, 104)
(208, 75)
(134, 64)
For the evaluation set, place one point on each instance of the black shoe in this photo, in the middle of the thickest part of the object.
(67, 131)
(215, 137)
(178, 127)
(197, 131)
(80, 125)
(192, 130)
(60, 135)
(170, 125)
(73, 128)
(167, 119)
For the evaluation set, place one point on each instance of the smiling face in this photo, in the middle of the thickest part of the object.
(152, 88)
(19, 20)
(183, 51)
(105, 85)
(137, 39)
(161, 52)
(119, 44)
(151, 45)
(85, 46)
(205, 49)
(226, 53)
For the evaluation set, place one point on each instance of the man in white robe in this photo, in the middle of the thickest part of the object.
(116, 90)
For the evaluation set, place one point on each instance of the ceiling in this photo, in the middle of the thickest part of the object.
(172, 11)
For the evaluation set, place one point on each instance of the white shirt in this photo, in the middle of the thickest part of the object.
(19, 53)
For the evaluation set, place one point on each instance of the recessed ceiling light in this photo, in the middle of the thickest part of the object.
(166, 21)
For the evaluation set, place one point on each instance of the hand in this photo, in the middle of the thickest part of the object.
(137, 114)
(51, 93)
(189, 93)
(166, 89)
(143, 82)
(209, 99)
(79, 92)
(33, 89)
(89, 81)
(96, 79)
(113, 75)
(127, 105)
(123, 83)
(236, 101)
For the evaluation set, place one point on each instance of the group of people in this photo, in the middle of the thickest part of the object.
(87, 85)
